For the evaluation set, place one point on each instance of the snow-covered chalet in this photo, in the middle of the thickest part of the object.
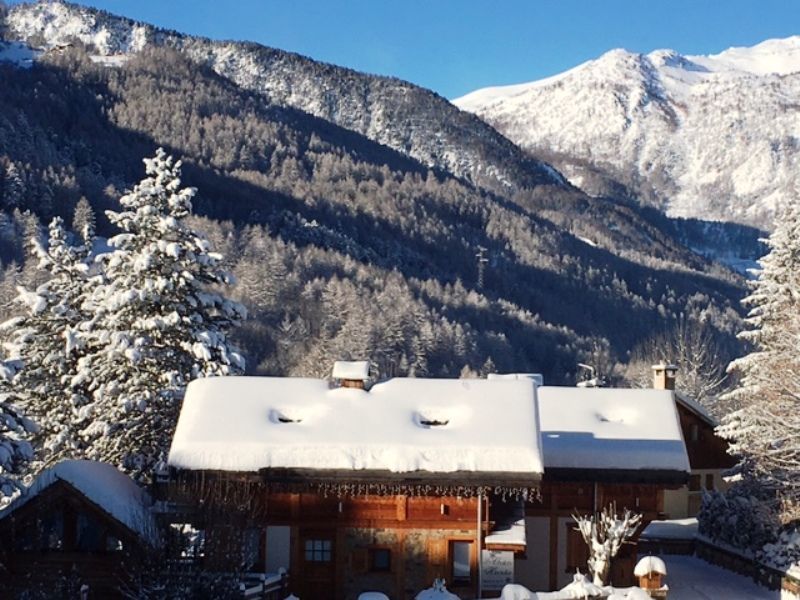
(352, 488)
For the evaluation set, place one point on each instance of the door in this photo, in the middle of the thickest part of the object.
(318, 564)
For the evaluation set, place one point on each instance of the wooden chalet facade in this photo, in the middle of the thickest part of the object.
(63, 539)
(708, 453)
(343, 519)
(352, 490)
(601, 446)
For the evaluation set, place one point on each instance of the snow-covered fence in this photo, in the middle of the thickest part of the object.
(765, 575)
(264, 586)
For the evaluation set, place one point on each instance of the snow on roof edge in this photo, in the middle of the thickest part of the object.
(105, 486)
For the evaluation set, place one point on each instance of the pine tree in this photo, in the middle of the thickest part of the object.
(765, 430)
(158, 322)
(45, 343)
(15, 449)
(83, 221)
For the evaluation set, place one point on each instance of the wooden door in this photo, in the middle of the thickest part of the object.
(318, 564)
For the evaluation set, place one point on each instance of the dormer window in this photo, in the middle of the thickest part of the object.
(435, 417)
(433, 422)
(285, 416)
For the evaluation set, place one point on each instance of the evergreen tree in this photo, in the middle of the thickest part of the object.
(765, 430)
(83, 221)
(45, 343)
(158, 322)
(15, 449)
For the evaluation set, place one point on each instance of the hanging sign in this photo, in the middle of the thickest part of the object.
(498, 569)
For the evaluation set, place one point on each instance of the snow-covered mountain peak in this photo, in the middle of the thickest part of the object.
(704, 136)
(398, 114)
(58, 23)
(778, 56)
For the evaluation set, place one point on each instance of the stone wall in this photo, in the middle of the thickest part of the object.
(417, 557)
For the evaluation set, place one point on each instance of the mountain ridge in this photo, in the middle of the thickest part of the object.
(709, 137)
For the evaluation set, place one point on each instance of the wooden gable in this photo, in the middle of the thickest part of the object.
(60, 540)
(705, 448)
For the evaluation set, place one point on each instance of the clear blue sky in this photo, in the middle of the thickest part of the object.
(455, 46)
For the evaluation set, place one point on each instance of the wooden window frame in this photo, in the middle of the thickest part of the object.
(461, 582)
(319, 554)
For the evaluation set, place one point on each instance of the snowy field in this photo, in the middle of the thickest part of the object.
(691, 578)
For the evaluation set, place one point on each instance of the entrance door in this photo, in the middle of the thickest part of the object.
(318, 564)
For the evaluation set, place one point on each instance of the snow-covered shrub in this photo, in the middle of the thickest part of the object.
(784, 552)
(738, 518)
(438, 591)
(604, 533)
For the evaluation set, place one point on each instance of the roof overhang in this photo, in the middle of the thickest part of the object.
(665, 477)
(379, 482)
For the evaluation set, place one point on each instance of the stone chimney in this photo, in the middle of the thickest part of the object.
(664, 376)
(351, 374)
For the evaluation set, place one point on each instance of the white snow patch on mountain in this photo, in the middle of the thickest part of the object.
(18, 54)
(715, 137)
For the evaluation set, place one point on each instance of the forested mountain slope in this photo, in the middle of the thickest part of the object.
(344, 247)
(412, 120)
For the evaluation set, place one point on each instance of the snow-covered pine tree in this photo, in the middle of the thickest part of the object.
(44, 343)
(15, 449)
(158, 322)
(765, 430)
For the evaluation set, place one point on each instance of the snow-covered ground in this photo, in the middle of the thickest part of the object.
(691, 578)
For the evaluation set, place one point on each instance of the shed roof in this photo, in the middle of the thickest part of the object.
(401, 426)
(102, 484)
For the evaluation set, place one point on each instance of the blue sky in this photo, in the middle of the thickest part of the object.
(454, 46)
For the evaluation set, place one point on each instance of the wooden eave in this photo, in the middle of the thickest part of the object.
(372, 481)
(667, 477)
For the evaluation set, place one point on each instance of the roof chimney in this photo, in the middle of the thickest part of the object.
(351, 374)
(664, 376)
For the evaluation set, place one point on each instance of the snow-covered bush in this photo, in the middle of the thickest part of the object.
(739, 518)
(604, 532)
(784, 552)
(438, 591)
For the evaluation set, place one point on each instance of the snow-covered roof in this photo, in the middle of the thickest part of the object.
(610, 429)
(537, 378)
(105, 486)
(697, 408)
(351, 369)
(650, 564)
(245, 424)
(672, 529)
(509, 529)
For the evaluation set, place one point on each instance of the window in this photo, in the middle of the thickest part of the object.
(380, 559)
(694, 434)
(251, 548)
(460, 564)
(89, 535)
(51, 529)
(694, 483)
(113, 544)
(318, 550)
(709, 481)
